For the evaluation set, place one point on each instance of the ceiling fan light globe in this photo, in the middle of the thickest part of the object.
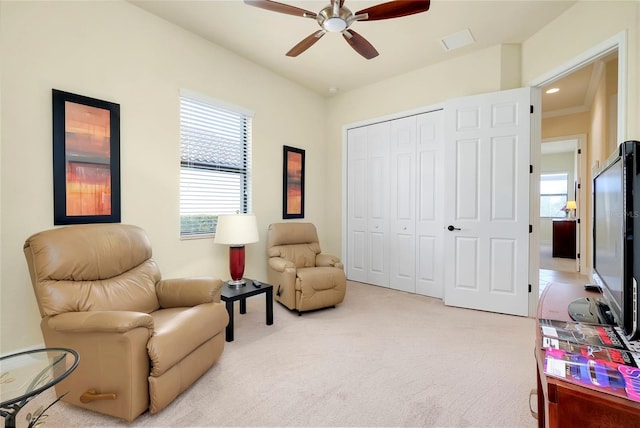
(334, 25)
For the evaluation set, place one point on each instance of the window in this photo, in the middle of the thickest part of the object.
(553, 195)
(215, 163)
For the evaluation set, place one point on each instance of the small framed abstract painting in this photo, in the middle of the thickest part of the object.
(86, 160)
(293, 183)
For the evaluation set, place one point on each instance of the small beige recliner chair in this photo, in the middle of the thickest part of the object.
(303, 278)
(142, 340)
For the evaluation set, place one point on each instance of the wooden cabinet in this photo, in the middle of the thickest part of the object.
(564, 239)
(564, 404)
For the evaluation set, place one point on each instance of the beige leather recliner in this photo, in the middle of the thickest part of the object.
(142, 340)
(303, 278)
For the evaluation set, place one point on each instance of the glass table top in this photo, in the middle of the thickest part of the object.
(26, 374)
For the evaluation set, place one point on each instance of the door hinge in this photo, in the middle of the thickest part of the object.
(578, 255)
(579, 151)
(530, 228)
(530, 169)
(529, 288)
(531, 109)
(579, 186)
(578, 220)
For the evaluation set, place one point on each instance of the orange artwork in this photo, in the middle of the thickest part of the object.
(87, 160)
(294, 183)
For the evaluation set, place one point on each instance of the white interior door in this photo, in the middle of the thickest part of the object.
(402, 207)
(487, 201)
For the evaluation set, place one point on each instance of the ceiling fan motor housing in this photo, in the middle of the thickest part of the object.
(334, 22)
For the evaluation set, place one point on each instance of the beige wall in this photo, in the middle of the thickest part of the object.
(560, 126)
(116, 52)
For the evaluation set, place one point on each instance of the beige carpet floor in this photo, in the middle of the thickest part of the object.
(383, 358)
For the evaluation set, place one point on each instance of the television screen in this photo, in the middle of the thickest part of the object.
(609, 234)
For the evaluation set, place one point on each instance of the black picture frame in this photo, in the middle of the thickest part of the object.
(86, 160)
(292, 182)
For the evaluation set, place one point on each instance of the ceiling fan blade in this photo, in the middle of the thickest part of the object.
(280, 7)
(360, 44)
(306, 43)
(394, 9)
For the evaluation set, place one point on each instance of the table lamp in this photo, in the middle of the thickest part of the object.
(236, 230)
(571, 206)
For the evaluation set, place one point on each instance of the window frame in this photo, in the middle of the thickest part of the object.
(565, 194)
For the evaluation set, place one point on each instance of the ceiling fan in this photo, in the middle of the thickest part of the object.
(335, 18)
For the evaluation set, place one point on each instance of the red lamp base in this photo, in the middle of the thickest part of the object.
(236, 266)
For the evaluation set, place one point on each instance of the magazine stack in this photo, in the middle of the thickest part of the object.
(595, 356)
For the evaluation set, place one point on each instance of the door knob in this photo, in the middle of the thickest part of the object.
(451, 228)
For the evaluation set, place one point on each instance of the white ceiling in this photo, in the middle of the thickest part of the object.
(405, 44)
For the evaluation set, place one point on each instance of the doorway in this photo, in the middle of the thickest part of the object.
(562, 173)
(589, 105)
(559, 193)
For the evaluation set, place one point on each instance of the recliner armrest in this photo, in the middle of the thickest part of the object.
(185, 292)
(100, 322)
(328, 260)
(280, 265)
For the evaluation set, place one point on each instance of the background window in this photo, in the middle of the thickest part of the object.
(553, 195)
(215, 163)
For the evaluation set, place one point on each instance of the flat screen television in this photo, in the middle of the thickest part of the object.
(616, 254)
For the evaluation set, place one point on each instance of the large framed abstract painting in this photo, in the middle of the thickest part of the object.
(86, 160)
(293, 183)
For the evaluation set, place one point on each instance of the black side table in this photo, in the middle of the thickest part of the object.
(231, 294)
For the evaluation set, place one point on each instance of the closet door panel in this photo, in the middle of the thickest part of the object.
(378, 204)
(402, 209)
(429, 226)
(357, 245)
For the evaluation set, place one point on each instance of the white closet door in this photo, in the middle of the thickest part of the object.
(429, 226)
(402, 207)
(377, 265)
(357, 183)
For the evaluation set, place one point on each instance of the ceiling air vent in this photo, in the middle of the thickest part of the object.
(457, 40)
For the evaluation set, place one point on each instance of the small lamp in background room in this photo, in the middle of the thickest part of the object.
(571, 207)
(236, 230)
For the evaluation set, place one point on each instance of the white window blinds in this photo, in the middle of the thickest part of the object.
(215, 164)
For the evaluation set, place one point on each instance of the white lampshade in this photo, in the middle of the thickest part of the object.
(236, 229)
(571, 205)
